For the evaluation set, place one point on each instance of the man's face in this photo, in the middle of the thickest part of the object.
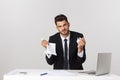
(63, 27)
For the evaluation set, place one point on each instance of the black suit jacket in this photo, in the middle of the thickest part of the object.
(75, 61)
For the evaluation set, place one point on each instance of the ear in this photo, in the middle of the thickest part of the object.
(68, 24)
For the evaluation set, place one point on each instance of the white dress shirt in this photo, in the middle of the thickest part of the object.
(68, 41)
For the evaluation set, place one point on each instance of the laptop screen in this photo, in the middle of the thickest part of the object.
(103, 63)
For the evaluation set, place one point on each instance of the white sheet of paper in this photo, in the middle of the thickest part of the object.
(78, 39)
(51, 49)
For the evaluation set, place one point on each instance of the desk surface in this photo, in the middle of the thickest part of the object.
(36, 74)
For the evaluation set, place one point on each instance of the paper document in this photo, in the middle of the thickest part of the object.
(51, 49)
(78, 39)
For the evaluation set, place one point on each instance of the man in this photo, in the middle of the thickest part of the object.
(70, 46)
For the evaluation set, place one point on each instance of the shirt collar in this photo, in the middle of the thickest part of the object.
(68, 37)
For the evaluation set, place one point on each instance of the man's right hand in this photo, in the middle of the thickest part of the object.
(44, 43)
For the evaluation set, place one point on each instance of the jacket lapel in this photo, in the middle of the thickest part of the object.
(59, 46)
(72, 45)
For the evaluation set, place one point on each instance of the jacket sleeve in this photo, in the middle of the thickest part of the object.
(81, 59)
(52, 59)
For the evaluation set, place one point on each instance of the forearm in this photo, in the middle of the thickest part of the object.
(51, 60)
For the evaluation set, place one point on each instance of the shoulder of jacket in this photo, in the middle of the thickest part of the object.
(55, 35)
(76, 33)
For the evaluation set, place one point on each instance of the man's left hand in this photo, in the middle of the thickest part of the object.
(81, 44)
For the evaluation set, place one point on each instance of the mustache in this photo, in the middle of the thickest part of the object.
(64, 30)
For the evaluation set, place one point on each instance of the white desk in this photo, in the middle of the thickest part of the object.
(34, 74)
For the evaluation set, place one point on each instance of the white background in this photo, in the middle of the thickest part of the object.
(23, 23)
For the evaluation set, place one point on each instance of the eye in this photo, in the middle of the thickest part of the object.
(59, 26)
(64, 25)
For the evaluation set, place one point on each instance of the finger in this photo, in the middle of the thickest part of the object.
(44, 43)
(83, 39)
(81, 44)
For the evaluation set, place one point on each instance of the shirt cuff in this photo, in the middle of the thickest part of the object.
(80, 54)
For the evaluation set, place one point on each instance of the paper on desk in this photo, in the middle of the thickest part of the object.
(51, 49)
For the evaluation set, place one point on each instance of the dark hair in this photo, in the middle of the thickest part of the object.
(60, 17)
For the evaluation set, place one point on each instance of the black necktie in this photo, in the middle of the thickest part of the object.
(65, 57)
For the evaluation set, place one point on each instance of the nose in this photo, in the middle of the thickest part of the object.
(63, 27)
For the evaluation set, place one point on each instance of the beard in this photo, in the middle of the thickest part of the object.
(64, 32)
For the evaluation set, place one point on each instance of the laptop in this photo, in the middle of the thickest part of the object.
(103, 64)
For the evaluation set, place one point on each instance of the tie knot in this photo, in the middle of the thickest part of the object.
(65, 40)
